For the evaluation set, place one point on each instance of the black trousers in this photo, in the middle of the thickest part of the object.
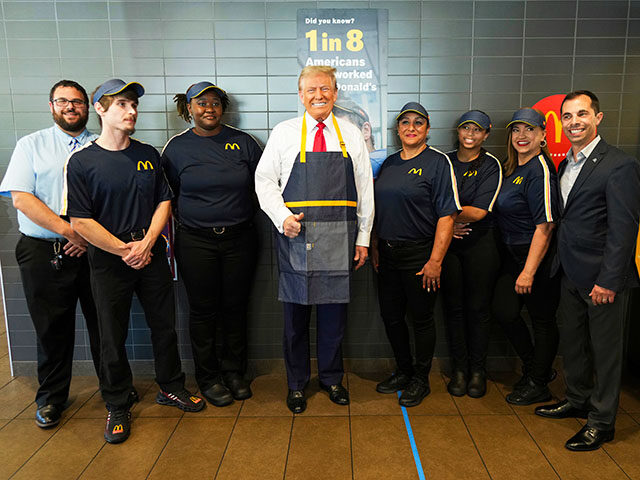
(114, 284)
(217, 270)
(400, 292)
(592, 348)
(469, 274)
(537, 354)
(52, 297)
(331, 322)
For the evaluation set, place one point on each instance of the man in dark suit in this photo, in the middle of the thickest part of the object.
(600, 189)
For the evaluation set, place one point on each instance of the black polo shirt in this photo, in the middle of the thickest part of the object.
(528, 197)
(118, 189)
(412, 195)
(212, 177)
(478, 187)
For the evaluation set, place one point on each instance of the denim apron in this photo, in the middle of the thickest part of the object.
(315, 266)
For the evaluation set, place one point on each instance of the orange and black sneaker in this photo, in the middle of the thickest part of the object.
(182, 399)
(118, 425)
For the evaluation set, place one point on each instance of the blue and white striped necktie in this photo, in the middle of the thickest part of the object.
(74, 143)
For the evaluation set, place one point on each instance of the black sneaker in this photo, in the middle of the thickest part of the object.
(524, 379)
(118, 425)
(394, 383)
(529, 394)
(414, 393)
(182, 399)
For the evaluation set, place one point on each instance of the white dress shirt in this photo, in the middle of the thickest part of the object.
(280, 154)
(574, 165)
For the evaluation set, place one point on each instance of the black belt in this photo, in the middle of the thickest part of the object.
(133, 236)
(217, 230)
(403, 243)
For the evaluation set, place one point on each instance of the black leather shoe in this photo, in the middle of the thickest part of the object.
(394, 383)
(589, 438)
(561, 409)
(414, 393)
(529, 394)
(457, 386)
(218, 395)
(239, 387)
(477, 386)
(296, 401)
(48, 416)
(337, 393)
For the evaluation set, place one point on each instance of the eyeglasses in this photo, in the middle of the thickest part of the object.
(63, 102)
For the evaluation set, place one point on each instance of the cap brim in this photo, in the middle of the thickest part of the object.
(471, 121)
(523, 121)
(208, 87)
(414, 111)
(138, 87)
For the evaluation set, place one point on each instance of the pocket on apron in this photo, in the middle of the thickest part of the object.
(298, 253)
(327, 246)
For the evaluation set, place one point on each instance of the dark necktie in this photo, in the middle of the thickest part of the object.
(319, 144)
(74, 143)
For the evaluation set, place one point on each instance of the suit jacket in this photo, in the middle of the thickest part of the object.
(599, 223)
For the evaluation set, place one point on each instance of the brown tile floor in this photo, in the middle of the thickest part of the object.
(457, 438)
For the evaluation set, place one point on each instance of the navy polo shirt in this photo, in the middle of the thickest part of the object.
(118, 189)
(478, 187)
(528, 197)
(212, 178)
(412, 195)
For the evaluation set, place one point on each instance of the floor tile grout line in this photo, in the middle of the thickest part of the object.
(226, 447)
(286, 460)
(475, 445)
(538, 446)
(165, 445)
(350, 432)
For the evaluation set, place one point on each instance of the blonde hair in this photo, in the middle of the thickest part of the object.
(313, 70)
(511, 162)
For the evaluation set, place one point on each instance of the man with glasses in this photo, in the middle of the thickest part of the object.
(50, 254)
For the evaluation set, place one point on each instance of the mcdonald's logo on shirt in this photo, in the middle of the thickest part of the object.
(518, 180)
(231, 146)
(146, 165)
(470, 173)
(117, 429)
(415, 171)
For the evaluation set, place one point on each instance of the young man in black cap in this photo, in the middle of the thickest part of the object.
(119, 201)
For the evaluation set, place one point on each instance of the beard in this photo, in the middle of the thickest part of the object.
(76, 126)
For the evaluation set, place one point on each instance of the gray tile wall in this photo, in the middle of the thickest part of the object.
(450, 55)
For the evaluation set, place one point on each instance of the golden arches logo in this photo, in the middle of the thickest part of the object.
(415, 171)
(470, 173)
(557, 125)
(146, 165)
(231, 146)
(118, 429)
(518, 180)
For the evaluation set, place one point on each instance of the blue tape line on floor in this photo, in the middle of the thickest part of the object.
(414, 447)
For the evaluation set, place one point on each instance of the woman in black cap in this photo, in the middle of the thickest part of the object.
(416, 205)
(526, 210)
(210, 168)
(471, 266)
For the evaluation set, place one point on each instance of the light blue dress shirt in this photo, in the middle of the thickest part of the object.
(37, 167)
(572, 170)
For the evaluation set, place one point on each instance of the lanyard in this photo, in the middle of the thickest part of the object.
(303, 145)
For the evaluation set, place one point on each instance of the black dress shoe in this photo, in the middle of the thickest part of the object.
(239, 387)
(296, 401)
(337, 393)
(48, 416)
(529, 394)
(589, 438)
(561, 409)
(218, 395)
(457, 386)
(414, 393)
(477, 386)
(394, 383)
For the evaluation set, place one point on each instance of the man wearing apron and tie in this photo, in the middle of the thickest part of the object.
(314, 181)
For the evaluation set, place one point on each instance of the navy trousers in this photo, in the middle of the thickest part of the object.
(331, 321)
